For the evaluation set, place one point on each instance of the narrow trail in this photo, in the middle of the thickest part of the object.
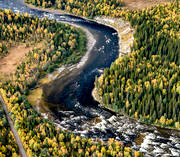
(22, 151)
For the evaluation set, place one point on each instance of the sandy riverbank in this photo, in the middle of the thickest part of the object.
(126, 39)
(125, 32)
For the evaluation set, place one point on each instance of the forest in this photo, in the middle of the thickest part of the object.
(87, 8)
(146, 83)
(40, 137)
(8, 146)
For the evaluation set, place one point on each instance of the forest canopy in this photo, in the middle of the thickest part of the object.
(40, 137)
(88, 8)
(146, 83)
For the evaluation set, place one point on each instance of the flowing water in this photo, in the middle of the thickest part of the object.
(80, 113)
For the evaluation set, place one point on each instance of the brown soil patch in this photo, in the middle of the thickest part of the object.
(140, 4)
(14, 57)
(139, 139)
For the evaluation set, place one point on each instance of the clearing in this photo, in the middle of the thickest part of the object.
(15, 56)
(140, 4)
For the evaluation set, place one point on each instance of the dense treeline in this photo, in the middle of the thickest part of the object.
(39, 136)
(89, 8)
(17, 28)
(14, 29)
(158, 31)
(8, 146)
(146, 83)
(143, 88)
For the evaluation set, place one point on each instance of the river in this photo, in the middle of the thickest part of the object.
(81, 114)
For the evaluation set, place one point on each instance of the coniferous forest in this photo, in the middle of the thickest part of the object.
(146, 83)
(85, 8)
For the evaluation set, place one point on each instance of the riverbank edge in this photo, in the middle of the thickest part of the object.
(122, 52)
(52, 10)
(122, 49)
(90, 42)
(99, 19)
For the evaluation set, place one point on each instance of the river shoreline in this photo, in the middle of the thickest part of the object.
(125, 48)
(124, 43)
(124, 26)
(125, 34)
(58, 73)
(54, 10)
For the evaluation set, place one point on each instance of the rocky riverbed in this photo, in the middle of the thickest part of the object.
(103, 124)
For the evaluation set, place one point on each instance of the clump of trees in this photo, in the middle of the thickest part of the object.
(158, 31)
(15, 29)
(88, 8)
(8, 146)
(3, 50)
(146, 83)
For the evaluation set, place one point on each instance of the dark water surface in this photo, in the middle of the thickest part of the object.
(81, 81)
(82, 115)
